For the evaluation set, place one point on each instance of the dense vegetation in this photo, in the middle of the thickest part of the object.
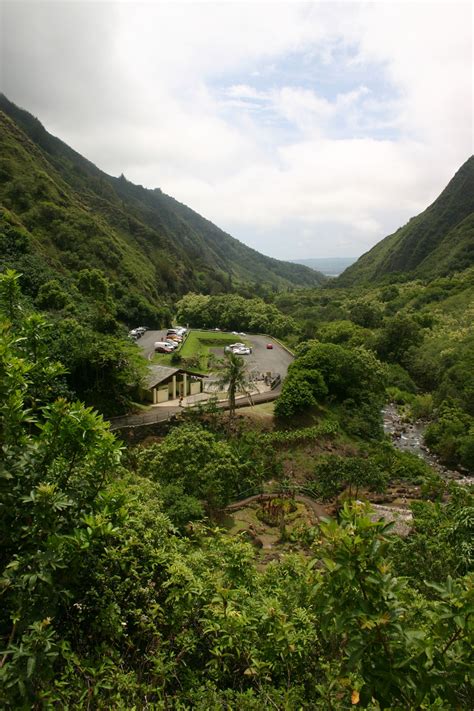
(234, 312)
(422, 332)
(122, 582)
(118, 591)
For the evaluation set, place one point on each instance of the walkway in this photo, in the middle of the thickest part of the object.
(163, 413)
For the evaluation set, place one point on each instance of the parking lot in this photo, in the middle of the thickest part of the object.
(260, 361)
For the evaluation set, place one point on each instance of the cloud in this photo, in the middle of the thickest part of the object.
(300, 128)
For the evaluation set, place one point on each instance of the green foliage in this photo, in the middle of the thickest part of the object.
(103, 369)
(280, 438)
(195, 459)
(393, 660)
(422, 406)
(348, 372)
(234, 313)
(334, 474)
(366, 315)
(345, 333)
(10, 295)
(451, 435)
(398, 377)
(92, 282)
(440, 542)
(48, 489)
(352, 377)
(299, 394)
(114, 595)
(398, 335)
(52, 296)
(233, 377)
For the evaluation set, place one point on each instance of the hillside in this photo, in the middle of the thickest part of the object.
(73, 216)
(437, 242)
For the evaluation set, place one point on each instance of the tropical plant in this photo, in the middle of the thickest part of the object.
(233, 378)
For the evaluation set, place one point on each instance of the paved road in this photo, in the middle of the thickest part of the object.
(148, 340)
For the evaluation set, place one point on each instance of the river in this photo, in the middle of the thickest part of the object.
(408, 437)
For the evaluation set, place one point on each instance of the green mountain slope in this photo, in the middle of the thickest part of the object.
(437, 242)
(74, 216)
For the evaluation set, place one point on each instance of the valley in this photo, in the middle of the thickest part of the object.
(166, 544)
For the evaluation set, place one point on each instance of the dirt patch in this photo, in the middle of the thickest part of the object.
(271, 541)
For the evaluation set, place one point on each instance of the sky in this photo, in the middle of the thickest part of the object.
(305, 130)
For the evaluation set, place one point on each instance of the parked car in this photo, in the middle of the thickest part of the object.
(233, 347)
(242, 351)
(163, 347)
(269, 346)
(172, 344)
(174, 337)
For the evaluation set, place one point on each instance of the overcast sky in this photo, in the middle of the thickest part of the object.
(303, 129)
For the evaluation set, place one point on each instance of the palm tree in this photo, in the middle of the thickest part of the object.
(233, 378)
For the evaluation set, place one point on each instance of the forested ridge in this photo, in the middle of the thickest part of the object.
(76, 217)
(125, 579)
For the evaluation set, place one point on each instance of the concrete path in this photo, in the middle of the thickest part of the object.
(164, 413)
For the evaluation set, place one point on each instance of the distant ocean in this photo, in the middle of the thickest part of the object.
(329, 266)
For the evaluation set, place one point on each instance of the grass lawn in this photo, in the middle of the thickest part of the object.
(198, 346)
(262, 413)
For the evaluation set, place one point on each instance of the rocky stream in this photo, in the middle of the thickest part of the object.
(408, 437)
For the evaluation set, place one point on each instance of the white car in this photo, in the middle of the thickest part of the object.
(233, 346)
(241, 351)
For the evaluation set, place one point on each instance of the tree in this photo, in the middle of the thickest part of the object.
(195, 461)
(301, 390)
(397, 336)
(51, 295)
(396, 657)
(333, 474)
(365, 314)
(233, 377)
(49, 482)
(10, 294)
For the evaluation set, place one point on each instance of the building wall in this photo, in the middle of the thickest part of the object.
(162, 393)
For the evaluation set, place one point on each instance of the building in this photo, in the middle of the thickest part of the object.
(163, 384)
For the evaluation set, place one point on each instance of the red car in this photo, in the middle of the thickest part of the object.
(269, 346)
